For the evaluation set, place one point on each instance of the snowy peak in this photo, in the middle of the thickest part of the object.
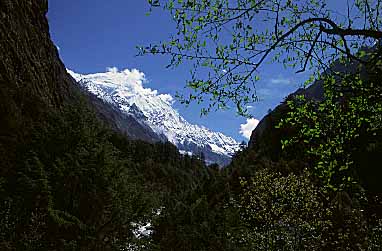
(125, 90)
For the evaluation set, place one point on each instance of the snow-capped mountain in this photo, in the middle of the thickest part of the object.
(124, 90)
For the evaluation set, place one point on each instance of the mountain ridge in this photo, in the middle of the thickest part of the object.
(124, 90)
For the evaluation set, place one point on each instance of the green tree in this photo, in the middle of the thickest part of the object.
(276, 212)
(228, 41)
(342, 128)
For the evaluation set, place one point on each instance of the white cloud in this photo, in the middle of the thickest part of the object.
(58, 47)
(133, 80)
(135, 76)
(280, 81)
(112, 69)
(247, 128)
(127, 77)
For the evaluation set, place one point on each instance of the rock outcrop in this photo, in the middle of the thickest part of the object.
(32, 78)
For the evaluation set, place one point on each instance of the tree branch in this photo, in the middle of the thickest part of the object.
(310, 52)
(352, 32)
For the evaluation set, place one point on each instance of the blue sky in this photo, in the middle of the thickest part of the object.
(95, 34)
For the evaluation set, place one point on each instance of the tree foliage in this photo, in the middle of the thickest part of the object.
(329, 148)
(332, 131)
(77, 185)
(70, 183)
(228, 42)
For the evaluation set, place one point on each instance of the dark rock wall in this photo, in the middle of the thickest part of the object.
(29, 62)
(32, 78)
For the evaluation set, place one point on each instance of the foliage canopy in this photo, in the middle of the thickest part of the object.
(228, 41)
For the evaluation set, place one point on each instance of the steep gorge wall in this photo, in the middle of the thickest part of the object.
(33, 80)
(29, 62)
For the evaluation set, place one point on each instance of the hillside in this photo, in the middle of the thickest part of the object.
(75, 176)
(124, 92)
(70, 179)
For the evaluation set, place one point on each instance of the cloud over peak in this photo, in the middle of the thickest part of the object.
(112, 69)
(247, 128)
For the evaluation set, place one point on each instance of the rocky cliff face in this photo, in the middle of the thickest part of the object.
(32, 78)
(29, 64)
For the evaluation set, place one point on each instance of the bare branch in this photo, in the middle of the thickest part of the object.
(309, 55)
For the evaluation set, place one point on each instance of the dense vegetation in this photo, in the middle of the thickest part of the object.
(310, 176)
(318, 186)
(68, 182)
(76, 185)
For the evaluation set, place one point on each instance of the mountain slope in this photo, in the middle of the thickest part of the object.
(121, 122)
(124, 90)
(67, 182)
